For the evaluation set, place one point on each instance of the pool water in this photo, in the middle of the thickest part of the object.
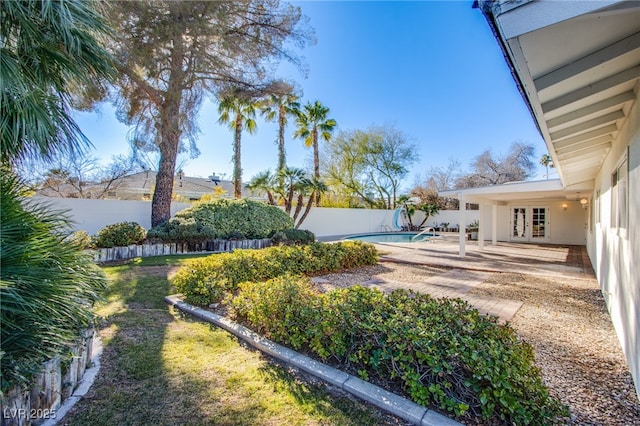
(395, 237)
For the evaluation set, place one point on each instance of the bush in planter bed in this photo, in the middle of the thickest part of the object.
(81, 239)
(293, 236)
(120, 235)
(439, 352)
(208, 280)
(222, 219)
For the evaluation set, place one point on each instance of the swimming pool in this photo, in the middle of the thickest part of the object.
(392, 237)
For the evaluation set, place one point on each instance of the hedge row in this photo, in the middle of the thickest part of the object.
(223, 219)
(208, 280)
(438, 352)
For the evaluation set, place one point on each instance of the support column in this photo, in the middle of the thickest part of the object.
(463, 224)
(494, 224)
(481, 210)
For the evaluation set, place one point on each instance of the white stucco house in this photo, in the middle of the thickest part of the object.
(577, 65)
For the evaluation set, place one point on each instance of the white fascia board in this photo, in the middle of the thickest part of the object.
(532, 16)
(513, 187)
(520, 63)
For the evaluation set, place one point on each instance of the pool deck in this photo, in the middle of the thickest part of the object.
(536, 259)
(478, 265)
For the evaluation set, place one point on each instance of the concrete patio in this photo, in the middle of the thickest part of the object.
(478, 265)
(537, 259)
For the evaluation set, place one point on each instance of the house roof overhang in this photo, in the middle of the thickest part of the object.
(577, 65)
(544, 190)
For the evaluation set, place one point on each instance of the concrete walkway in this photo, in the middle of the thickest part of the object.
(455, 283)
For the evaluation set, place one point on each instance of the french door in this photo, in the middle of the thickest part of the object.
(529, 224)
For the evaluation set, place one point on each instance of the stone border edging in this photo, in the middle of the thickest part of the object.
(383, 399)
(88, 378)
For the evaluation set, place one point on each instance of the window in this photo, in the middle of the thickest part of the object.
(619, 197)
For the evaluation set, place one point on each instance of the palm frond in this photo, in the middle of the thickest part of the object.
(48, 50)
(47, 284)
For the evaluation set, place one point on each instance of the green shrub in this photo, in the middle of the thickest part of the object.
(47, 285)
(342, 320)
(207, 280)
(447, 354)
(293, 236)
(279, 308)
(120, 235)
(81, 239)
(182, 230)
(439, 352)
(223, 219)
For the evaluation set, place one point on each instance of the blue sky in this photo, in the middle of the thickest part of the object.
(432, 69)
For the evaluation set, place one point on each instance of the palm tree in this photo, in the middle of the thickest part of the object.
(429, 210)
(48, 283)
(288, 183)
(279, 107)
(314, 188)
(311, 123)
(263, 182)
(49, 50)
(547, 162)
(239, 113)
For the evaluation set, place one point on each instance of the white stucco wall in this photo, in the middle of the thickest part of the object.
(565, 226)
(330, 221)
(614, 255)
(93, 215)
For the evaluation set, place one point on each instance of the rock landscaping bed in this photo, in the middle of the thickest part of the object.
(576, 347)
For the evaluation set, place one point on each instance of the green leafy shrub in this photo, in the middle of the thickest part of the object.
(207, 280)
(293, 236)
(342, 319)
(439, 352)
(81, 239)
(223, 219)
(279, 308)
(47, 285)
(120, 234)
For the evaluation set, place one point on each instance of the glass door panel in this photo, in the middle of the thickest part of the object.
(519, 223)
(538, 222)
(529, 223)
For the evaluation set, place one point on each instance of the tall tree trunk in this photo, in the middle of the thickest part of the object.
(316, 154)
(170, 140)
(282, 162)
(272, 201)
(161, 203)
(306, 210)
(237, 163)
(316, 163)
(169, 135)
(288, 202)
(298, 206)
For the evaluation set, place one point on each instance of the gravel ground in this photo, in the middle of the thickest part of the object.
(382, 271)
(576, 347)
(569, 327)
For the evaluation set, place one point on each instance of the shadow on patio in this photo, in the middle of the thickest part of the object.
(536, 259)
